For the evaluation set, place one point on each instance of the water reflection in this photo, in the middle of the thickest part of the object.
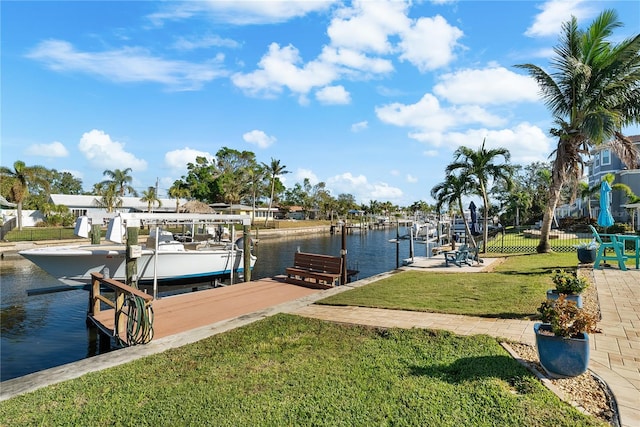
(43, 331)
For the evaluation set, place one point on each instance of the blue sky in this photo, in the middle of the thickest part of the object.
(371, 97)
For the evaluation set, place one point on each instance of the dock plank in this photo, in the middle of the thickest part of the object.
(181, 313)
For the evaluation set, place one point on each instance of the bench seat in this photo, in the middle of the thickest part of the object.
(318, 270)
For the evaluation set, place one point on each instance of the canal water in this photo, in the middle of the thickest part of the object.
(47, 330)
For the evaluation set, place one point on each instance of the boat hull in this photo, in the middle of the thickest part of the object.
(73, 265)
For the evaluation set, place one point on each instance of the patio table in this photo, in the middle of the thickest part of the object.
(636, 240)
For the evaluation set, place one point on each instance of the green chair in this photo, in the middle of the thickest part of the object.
(459, 257)
(614, 244)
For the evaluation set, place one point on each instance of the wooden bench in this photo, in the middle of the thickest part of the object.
(313, 270)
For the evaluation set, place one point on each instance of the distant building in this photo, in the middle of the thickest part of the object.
(603, 161)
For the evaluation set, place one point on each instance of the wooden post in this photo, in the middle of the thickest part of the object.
(120, 321)
(246, 234)
(94, 303)
(343, 254)
(132, 263)
(397, 244)
(95, 234)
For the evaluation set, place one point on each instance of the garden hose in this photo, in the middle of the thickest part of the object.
(139, 321)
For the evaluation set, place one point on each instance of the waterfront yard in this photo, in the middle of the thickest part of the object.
(288, 370)
(514, 289)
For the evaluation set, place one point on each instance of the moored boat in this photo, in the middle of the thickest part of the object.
(176, 262)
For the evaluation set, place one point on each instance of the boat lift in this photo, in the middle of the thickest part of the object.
(120, 221)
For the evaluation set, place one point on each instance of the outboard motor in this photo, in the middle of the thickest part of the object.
(240, 243)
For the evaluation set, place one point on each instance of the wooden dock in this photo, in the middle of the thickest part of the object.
(184, 312)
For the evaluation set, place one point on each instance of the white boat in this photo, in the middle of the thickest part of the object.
(175, 263)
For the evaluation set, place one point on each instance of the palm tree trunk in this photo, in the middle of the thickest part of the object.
(554, 196)
(273, 186)
(485, 221)
(466, 226)
(19, 215)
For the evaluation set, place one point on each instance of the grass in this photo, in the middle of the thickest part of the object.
(288, 370)
(514, 289)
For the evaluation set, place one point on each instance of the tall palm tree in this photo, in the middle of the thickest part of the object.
(109, 196)
(151, 198)
(256, 177)
(449, 193)
(593, 93)
(21, 177)
(274, 169)
(179, 191)
(122, 180)
(481, 168)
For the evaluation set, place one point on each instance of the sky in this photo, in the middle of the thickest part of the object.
(371, 97)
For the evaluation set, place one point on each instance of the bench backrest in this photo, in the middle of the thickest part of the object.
(319, 263)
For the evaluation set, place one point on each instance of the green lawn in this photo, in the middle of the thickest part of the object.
(288, 370)
(514, 289)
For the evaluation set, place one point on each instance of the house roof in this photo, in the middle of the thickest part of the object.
(83, 201)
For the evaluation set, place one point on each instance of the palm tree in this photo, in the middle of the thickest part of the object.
(274, 169)
(151, 197)
(449, 192)
(480, 167)
(122, 180)
(21, 177)
(179, 191)
(110, 199)
(593, 93)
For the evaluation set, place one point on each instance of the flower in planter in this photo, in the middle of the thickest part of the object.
(568, 282)
(588, 246)
(566, 319)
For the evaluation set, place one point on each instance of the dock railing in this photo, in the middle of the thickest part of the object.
(132, 321)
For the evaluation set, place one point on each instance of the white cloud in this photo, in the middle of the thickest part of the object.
(361, 189)
(367, 25)
(177, 160)
(361, 39)
(360, 126)
(411, 179)
(279, 69)
(333, 95)
(55, 149)
(526, 143)
(352, 63)
(554, 13)
(428, 116)
(104, 153)
(203, 42)
(438, 52)
(259, 138)
(127, 65)
(300, 174)
(239, 12)
(494, 85)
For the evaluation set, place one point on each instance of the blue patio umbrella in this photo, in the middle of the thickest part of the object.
(604, 217)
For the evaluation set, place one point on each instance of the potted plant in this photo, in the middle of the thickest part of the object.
(569, 284)
(562, 340)
(587, 252)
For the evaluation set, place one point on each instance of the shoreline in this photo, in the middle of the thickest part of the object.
(12, 248)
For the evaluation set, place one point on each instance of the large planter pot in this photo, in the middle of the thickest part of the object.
(586, 256)
(553, 295)
(561, 357)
